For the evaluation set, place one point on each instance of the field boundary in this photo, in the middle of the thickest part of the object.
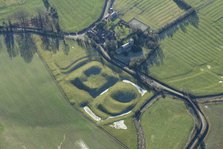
(67, 100)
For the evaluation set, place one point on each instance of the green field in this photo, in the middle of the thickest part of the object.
(167, 124)
(215, 134)
(35, 115)
(84, 78)
(75, 15)
(128, 136)
(192, 59)
(120, 98)
(154, 13)
(63, 65)
(197, 3)
(10, 8)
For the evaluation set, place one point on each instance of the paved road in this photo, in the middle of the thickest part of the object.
(104, 14)
(216, 99)
(202, 123)
(147, 80)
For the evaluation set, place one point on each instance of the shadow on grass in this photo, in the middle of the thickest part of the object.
(105, 110)
(156, 56)
(124, 96)
(24, 45)
(27, 46)
(190, 18)
(94, 92)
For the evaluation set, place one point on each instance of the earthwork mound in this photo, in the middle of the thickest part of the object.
(124, 96)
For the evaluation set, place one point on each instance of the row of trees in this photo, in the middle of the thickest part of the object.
(190, 18)
(48, 20)
(182, 4)
(23, 43)
(45, 20)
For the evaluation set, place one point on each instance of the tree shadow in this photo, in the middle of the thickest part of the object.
(27, 46)
(149, 41)
(181, 23)
(9, 40)
(155, 57)
(54, 44)
(50, 43)
(66, 47)
(182, 4)
(23, 44)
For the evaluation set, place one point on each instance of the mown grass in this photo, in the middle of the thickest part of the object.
(73, 15)
(196, 3)
(77, 15)
(153, 13)
(62, 66)
(192, 59)
(95, 82)
(35, 115)
(167, 124)
(112, 106)
(215, 135)
(10, 9)
(106, 106)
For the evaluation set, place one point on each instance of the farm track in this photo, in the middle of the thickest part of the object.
(201, 122)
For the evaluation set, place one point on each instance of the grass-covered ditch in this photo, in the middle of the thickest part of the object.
(99, 86)
(34, 114)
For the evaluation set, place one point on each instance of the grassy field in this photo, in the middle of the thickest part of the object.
(214, 116)
(167, 124)
(196, 3)
(35, 115)
(9, 8)
(128, 136)
(81, 75)
(192, 59)
(154, 13)
(73, 15)
(120, 99)
(78, 14)
(94, 74)
(90, 79)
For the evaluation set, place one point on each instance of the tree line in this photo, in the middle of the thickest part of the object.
(24, 43)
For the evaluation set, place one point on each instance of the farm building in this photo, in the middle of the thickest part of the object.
(125, 47)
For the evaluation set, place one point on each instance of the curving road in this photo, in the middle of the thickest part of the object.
(201, 124)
